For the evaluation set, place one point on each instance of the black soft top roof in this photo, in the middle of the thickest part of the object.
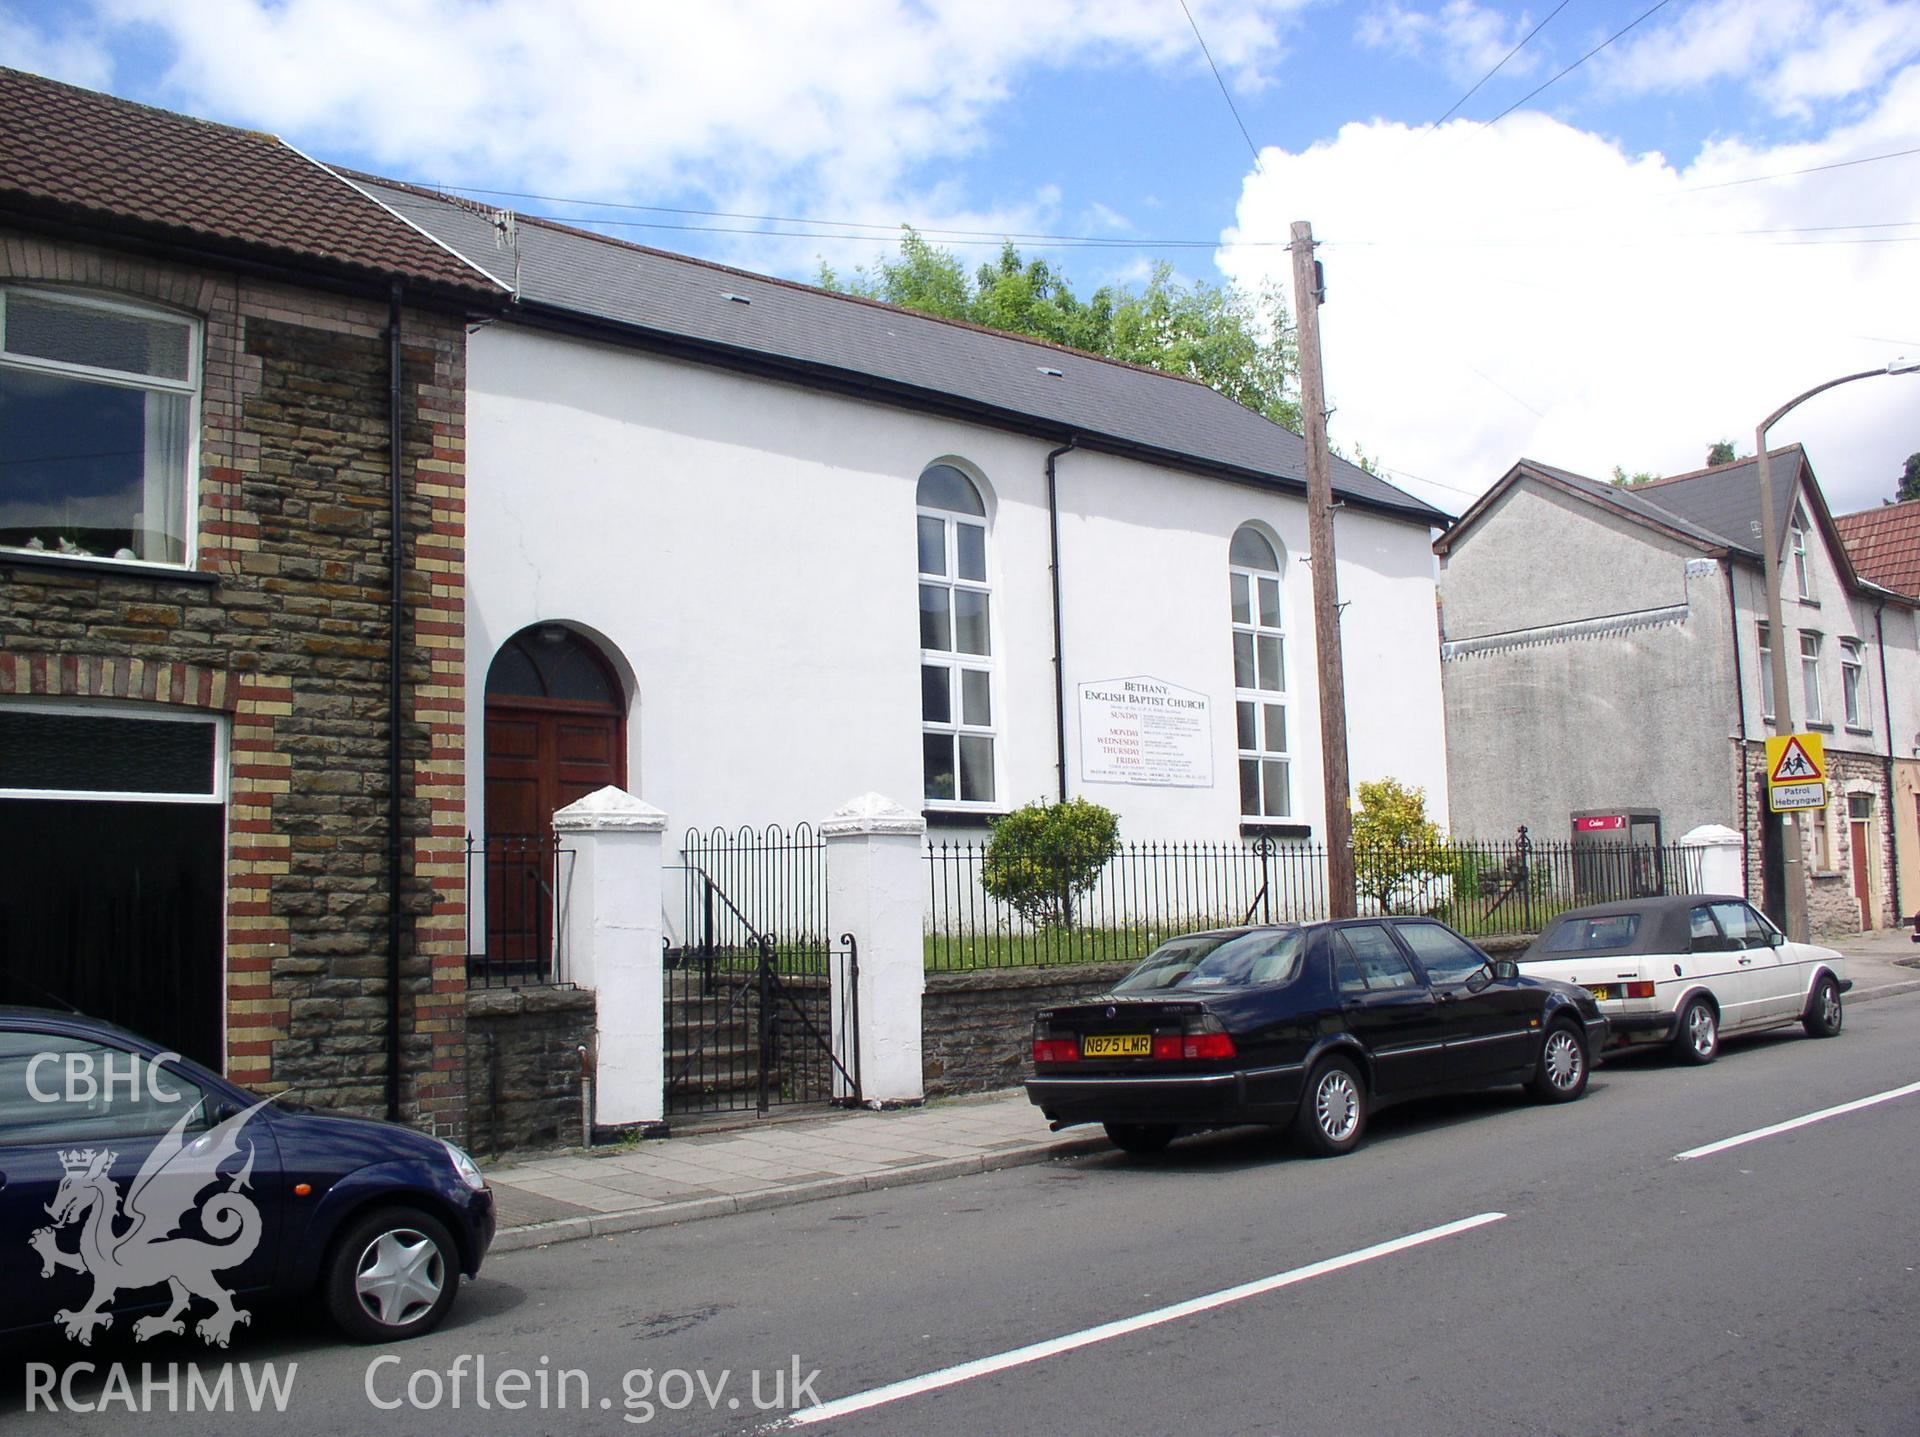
(1663, 928)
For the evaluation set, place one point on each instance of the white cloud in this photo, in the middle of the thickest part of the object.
(1791, 52)
(1531, 290)
(838, 110)
(78, 59)
(1467, 39)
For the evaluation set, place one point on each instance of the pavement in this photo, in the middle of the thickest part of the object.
(774, 1162)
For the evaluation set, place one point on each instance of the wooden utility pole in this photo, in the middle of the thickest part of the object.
(1308, 289)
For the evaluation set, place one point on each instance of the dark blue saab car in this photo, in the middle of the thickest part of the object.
(1309, 1026)
(139, 1188)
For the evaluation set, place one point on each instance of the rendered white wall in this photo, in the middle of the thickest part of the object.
(745, 550)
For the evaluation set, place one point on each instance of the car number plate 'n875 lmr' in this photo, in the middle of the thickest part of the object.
(1116, 1045)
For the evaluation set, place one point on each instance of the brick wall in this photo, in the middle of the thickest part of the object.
(284, 629)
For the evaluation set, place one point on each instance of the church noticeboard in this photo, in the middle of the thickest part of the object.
(1146, 731)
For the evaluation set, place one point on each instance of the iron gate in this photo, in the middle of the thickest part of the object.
(753, 1010)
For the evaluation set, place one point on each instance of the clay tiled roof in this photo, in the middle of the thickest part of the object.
(1884, 544)
(74, 155)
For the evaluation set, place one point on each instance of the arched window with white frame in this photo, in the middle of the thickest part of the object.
(1259, 676)
(957, 702)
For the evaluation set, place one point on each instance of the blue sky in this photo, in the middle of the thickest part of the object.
(1622, 271)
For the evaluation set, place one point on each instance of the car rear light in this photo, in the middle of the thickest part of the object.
(1166, 1047)
(1206, 1045)
(1056, 1050)
(1639, 990)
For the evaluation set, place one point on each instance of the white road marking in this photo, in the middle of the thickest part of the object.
(1758, 1133)
(1052, 1347)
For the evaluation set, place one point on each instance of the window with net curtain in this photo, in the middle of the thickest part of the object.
(98, 405)
(957, 700)
(1259, 676)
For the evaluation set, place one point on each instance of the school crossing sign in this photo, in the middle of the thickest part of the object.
(1796, 772)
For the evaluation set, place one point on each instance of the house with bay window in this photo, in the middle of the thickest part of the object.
(1606, 653)
(797, 546)
(231, 804)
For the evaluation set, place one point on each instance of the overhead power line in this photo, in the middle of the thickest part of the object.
(839, 228)
(1496, 69)
(1220, 80)
(1644, 15)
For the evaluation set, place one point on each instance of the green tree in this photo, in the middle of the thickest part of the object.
(1624, 480)
(1721, 453)
(1909, 481)
(1236, 341)
(1397, 850)
(1043, 857)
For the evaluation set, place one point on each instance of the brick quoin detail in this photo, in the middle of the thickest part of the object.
(255, 854)
(291, 643)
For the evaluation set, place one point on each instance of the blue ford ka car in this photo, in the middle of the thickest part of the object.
(139, 1190)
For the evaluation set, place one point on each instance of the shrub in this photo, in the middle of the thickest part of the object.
(1398, 852)
(1043, 857)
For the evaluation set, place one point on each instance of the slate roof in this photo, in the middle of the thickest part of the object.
(1717, 508)
(688, 304)
(1725, 499)
(1884, 545)
(1638, 503)
(74, 155)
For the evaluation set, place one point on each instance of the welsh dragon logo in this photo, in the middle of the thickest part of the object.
(137, 1245)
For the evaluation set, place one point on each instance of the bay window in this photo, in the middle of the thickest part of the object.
(98, 413)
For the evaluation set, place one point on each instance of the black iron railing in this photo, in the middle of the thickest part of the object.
(1152, 891)
(516, 886)
(762, 1005)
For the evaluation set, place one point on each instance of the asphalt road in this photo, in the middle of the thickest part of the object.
(1770, 1288)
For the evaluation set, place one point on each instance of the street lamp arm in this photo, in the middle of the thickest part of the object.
(1794, 403)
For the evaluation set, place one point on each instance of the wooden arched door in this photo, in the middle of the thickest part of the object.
(555, 732)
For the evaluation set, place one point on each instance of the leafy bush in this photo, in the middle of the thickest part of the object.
(1398, 852)
(1043, 857)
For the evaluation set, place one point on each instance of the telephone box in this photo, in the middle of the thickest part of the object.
(1617, 854)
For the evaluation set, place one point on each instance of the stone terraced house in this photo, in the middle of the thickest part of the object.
(199, 584)
(1605, 658)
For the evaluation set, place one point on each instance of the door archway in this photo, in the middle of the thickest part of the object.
(556, 721)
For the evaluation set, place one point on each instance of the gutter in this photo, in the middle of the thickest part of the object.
(307, 272)
(396, 563)
(1886, 705)
(1059, 658)
(1740, 734)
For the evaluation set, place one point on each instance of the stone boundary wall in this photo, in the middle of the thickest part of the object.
(523, 1067)
(977, 1026)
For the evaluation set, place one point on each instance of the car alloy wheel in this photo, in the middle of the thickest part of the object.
(1698, 1039)
(1562, 1074)
(1824, 1014)
(1336, 1105)
(1333, 1108)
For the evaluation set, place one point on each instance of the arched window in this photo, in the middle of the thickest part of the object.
(1259, 676)
(956, 644)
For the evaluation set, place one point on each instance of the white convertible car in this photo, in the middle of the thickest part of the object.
(1683, 969)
